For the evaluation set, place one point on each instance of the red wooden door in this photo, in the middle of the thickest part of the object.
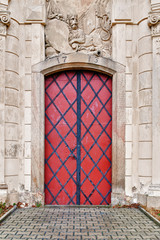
(78, 138)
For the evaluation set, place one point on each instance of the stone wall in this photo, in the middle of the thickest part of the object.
(145, 102)
(24, 46)
(117, 30)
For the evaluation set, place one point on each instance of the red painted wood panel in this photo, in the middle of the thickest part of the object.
(60, 131)
(96, 134)
(61, 138)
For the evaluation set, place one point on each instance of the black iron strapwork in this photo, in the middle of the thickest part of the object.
(78, 124)
(54, 127)
(88, 83)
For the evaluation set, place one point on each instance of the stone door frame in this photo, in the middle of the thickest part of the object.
(78, 61)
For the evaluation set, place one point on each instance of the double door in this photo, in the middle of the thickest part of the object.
(78, 138)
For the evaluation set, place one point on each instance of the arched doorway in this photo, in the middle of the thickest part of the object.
(78, 138)
(80, 62)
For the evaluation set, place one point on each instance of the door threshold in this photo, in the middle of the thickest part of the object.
(77, 206)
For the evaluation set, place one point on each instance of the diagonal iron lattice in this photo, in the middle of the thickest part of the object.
(60, 164)
(78, 138)
(96, 182)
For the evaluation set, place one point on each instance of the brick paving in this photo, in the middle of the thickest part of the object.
(79, 223)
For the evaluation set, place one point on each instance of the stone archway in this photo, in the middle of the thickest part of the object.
(78, 61)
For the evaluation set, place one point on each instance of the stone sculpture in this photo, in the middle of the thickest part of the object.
(65, 34)
(76, 36)
(53, 12)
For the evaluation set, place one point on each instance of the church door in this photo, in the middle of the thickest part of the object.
(78, 138)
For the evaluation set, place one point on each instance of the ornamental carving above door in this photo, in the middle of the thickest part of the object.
(69, 30)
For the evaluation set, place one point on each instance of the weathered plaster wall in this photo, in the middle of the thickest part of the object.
(132, 43)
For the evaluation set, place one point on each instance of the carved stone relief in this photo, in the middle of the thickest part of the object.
(158, 46)
(154, 18)
(87, 32)
(35, 13)
(4, 21)
(156, 30)
(5, 17)
(154, 22)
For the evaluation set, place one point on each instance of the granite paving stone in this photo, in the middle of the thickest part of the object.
(74, 223)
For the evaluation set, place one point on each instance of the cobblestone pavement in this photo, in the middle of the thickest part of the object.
(78, 223)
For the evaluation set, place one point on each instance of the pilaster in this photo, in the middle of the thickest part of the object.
(154, 23)
(4, 23)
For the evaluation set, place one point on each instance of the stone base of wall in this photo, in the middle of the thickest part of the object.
(117, 199)
(3, 192)
(142, 199)
(153, 201)
(25, 197)
(149, 201)
(13, 197)
(153, 198)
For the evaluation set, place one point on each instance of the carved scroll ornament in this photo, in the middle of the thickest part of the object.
(5, 17)
(154, 18)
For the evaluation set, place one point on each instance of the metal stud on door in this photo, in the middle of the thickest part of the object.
(78, 138)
